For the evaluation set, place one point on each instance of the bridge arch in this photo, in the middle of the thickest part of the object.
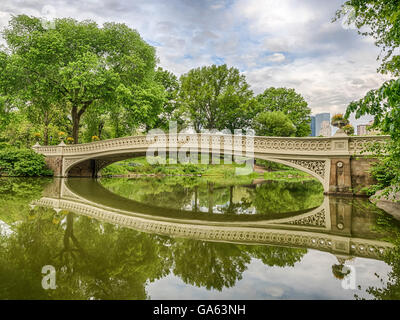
(90, 166)
(338, 162)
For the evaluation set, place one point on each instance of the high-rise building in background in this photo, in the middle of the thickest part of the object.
(312, 126)
(326, 129)
(362, 129)
(321, 125)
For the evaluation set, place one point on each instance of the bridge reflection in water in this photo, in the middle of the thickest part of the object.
(332, 227)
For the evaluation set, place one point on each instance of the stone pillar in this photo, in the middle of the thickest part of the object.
(340, 178)
(55, 160)
(360, 174)
(55, 163)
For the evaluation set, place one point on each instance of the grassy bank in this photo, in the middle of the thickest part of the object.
(214, 172)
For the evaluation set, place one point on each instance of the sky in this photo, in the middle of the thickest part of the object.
(310, 278)
(274, 43)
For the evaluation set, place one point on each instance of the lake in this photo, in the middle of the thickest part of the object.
(192, 238)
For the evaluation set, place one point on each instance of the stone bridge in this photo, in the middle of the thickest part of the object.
(340, 162)
(331, 227)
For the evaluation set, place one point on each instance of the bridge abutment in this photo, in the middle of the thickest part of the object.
(350, 175)
(55, 163)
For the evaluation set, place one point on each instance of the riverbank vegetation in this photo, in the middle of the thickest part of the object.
(381, 19)
(23, 162)
(215, 172)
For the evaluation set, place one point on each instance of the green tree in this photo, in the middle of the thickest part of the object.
(290, 103)
(274, 123)
(216, 97)
(380, 19)
(170, 108)
(78, 64)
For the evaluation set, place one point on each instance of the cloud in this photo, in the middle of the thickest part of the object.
(276, 57)
(288, 43)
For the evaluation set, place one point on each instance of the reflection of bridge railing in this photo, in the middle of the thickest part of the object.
(270, 145)
(309, 230)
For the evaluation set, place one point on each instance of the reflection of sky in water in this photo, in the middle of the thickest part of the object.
(5, 229)
(311, 278)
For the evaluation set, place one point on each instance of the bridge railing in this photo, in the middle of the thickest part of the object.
(341, 145)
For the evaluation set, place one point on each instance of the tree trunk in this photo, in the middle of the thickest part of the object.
(46, 135)
(75, 124)
(101, 126)
(46, 129)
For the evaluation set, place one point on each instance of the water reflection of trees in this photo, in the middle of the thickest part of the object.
(390, 285)
(197, 194)
(103, 261)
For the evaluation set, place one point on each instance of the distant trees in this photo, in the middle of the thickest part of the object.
(289, 102)
(216, 97)
(91, 81)
(274, 123)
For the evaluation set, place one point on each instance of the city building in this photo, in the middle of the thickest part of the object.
(362, 129)
(326, 129)
(321, 125)
(313, 132)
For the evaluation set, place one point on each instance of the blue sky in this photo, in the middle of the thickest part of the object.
(273, 42)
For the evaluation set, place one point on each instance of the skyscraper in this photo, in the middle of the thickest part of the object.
(313, 132)
(322, 124)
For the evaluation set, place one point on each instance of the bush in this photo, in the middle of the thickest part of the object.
(22, 163)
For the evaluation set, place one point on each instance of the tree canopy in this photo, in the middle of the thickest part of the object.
(290, 103)
(216, 97)
(380, 19)
(78, 64)
(275, 123)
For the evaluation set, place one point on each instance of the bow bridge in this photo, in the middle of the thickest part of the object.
(331, 227)
(340, 163)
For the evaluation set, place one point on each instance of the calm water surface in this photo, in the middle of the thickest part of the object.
(192, 238)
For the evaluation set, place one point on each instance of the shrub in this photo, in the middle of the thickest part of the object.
(22, 163)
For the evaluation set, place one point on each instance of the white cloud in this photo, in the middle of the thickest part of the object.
(276, 57)
(289, 43)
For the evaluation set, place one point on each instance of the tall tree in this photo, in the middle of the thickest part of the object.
(78, 64)
(380, 19)
(290, 103)
(275, 123)
(216, 97)
(170, 109)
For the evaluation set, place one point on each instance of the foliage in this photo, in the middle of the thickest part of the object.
(288, 175)
(384, 105)
(348, 129)
(77, 64)
(170, 109)
(290, 103)
(216, 97)
(381, 20)
(337, 117)
(274, 123)
(24, 162)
